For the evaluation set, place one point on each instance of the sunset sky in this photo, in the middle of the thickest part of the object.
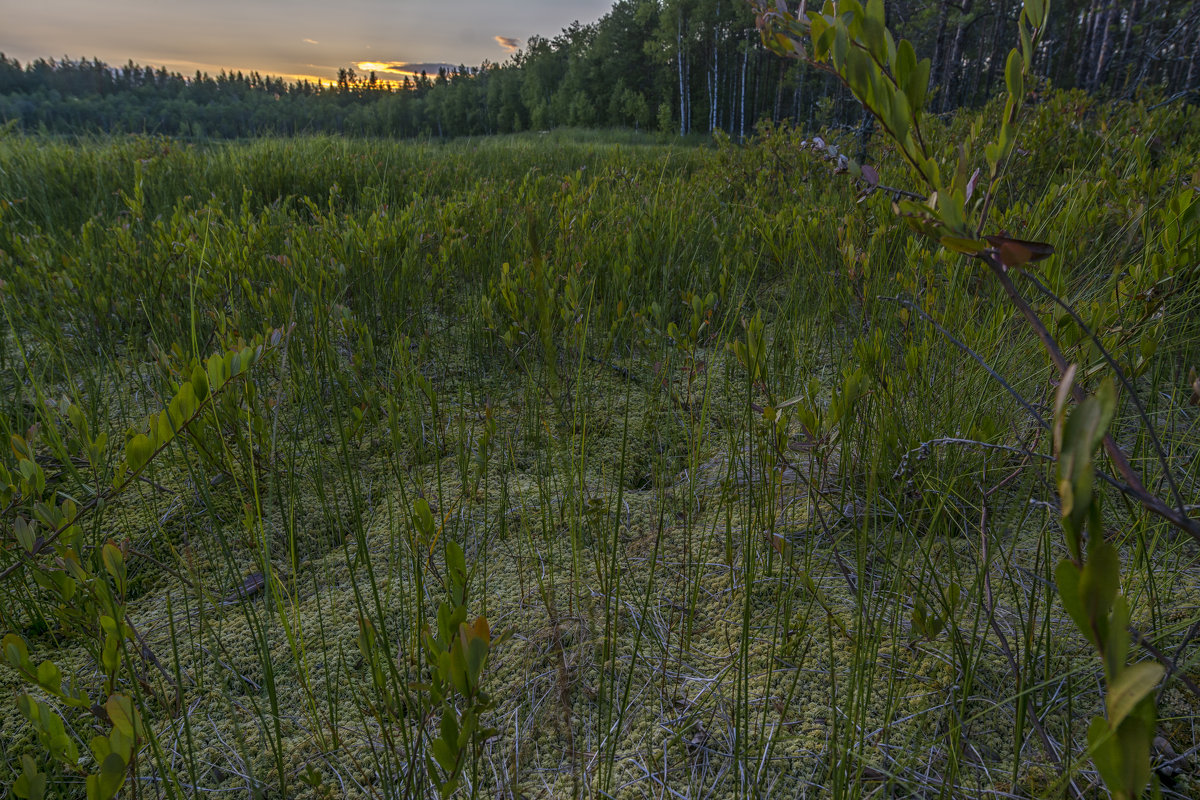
(292, 38)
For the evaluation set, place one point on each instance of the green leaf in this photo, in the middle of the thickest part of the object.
(423, 518)
(1116, 645)
(443, 754)
(163, 429)
(111, 777)
(874, 29)
(841, 45)
(917, 85)
(16, 653)
(100, 748)
(875, 12)
(138, 451)
(1077, 439)
(1061, 396)
(62, 747)
(215, 367)
(1122, 754)
(1105, 750)
(199, 382)
(1106, 400)
(906, 62)
(114, 563)
(49, 677)
(1013, 76)
(456, 560)
(120, 711)
(28, 708)
(966, 246)
(477, 650)
(1066, 576)
(1026, 44)
(30, 784)
(1036, 11)
(449, 726)
(820, 32)
(1098, 587)
(458, 668)
(24, 532)
(121, 743)
(1130, 687)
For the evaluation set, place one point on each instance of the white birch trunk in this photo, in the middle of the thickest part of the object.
(682, 90)
(1105, 47)
(742, 100)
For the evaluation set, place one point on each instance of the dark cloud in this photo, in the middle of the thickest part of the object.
(509, 43)
(384, 69)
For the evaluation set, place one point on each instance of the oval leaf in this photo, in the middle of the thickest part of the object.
(1130, 687)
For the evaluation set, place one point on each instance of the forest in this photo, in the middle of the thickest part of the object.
(714, 401)
(676, 66)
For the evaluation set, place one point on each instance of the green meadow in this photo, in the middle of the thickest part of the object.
(570, 465)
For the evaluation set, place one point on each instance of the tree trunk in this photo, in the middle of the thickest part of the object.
(1050, 47)
(1193, 66)
(952, 62)
(1104, 46)
(682, 90)
(997, 51)
(1085, 45)
(939, 42)
(778, 93)
(1143, 59)
(742, 101)
(713, 78)
(1126, 59)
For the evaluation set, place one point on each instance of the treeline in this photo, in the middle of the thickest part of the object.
(683, 66)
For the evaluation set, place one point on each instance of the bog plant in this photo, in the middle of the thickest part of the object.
(82, 584)
(456, 652)
(952, 205)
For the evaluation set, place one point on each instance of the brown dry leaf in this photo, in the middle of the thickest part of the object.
(1194, 380)
(1018, 252)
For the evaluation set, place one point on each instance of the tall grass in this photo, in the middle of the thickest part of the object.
(711, 590)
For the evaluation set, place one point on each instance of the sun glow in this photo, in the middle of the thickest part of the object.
(378, 66)
(396, 71)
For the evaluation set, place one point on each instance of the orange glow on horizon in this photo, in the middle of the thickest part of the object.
(376, 66)
(393, 72)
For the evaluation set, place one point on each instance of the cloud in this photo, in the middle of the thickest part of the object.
(400, 69)
(310, 41)
(509, 43)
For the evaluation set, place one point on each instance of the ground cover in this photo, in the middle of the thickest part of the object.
(752, 525)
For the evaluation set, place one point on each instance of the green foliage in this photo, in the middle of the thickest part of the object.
(853, 42)
(456, 654)
(1090, 592)
(85, 587)
(681, 65)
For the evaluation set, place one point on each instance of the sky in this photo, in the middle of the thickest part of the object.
(289, 38)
